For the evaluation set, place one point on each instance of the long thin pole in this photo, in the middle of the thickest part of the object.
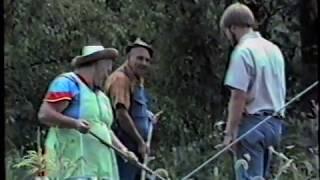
(249, 131)
(138, 164)
(146, 157)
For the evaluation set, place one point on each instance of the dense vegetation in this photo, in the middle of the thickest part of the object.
(42, 36)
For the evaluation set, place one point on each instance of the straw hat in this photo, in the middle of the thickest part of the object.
(94, 53)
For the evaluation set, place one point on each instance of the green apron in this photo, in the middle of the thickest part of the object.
(82, 153)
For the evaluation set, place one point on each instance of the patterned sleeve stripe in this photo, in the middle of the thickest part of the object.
(58, 96)
(57, 100)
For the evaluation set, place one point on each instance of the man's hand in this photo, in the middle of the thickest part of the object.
(157, 117)
(143, 149)
(82, 126)
(227, 140)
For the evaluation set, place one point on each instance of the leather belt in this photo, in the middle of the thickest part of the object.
(265, 113)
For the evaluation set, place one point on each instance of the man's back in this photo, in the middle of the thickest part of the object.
(256, 78)
(264, 64)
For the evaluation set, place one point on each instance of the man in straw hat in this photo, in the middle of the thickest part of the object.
(130, 101)
(74, 103)
(256, 78)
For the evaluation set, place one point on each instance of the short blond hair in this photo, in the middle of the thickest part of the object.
(237, 14)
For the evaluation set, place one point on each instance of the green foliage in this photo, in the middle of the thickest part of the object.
(41, 38)
(34, 163)
(11, 158)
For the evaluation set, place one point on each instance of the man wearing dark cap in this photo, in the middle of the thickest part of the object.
(130, 102)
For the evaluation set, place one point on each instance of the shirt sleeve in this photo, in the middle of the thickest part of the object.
(238, 75)
(119, 90)
(60, 89)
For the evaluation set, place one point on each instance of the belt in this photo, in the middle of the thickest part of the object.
(265, 113)
(87, 178)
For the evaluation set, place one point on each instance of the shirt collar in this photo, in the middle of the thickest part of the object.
(252, 34)
(92, 87)
(131, 75)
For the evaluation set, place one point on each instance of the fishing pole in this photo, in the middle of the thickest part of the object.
(136, 163)
(146, 158)
(249, 131)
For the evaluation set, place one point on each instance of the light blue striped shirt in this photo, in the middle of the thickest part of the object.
(257, 67)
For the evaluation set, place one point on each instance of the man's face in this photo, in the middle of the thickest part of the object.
(139, 60)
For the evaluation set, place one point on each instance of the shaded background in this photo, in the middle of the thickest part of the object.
(42, 36)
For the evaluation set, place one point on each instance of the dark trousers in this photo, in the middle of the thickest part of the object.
(128, 171)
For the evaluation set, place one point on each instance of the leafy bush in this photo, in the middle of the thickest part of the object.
(41, 38)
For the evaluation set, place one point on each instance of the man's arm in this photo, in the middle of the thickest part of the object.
(126, 124)
(118, 87)
(235, 109)
(237, 79)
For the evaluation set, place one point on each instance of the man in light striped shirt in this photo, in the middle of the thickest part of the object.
(256, 78)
